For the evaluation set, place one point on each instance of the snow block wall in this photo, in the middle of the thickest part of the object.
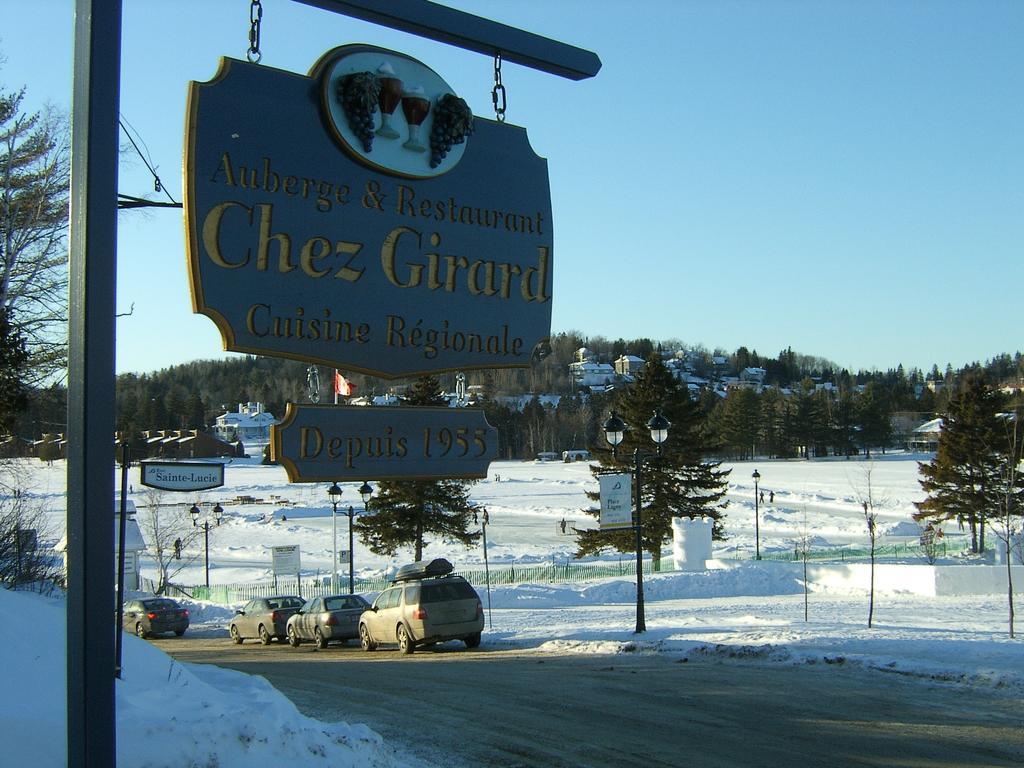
(901, 579)
(691, 543)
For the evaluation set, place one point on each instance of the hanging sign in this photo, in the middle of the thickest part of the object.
(616, 501)
(324, 443)
(361, 217)
(181, 475)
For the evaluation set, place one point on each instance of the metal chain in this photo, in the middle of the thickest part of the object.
(498, 92)
(460, 389)
(313, 383)
(255, 17)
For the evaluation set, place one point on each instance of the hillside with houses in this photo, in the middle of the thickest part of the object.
(789, 405)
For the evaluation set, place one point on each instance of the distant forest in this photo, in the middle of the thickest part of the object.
(791, 416)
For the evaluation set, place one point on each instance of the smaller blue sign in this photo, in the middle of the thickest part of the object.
(324, 443)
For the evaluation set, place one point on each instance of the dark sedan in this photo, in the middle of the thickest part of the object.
(154, 616)
(264, 618)
(323, 619)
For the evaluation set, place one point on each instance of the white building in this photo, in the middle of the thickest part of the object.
(590, 374)
(250, 423)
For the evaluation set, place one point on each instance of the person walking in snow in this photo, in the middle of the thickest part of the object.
(771, 496)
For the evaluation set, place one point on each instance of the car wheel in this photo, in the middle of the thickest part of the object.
(179, 632)
(264, 635)
(473, 641)
(293, 638)
(365, 640)
(318, 636)
(405, 644)
(140, 631)
(235, 637)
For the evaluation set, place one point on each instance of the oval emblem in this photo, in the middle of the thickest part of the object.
(392, 112)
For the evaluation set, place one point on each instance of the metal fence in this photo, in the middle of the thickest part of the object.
(885, 552)
(542, 573)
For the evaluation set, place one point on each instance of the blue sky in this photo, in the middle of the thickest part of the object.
(844, 178)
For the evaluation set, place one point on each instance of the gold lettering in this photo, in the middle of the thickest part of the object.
(404, 206)
(387, 258)
(347, 271)
(306, 450)
(225, 167)
(211, 234)
(284, 243)
(541, 273)
(307, 258)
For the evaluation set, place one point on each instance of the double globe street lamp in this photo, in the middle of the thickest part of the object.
(366, 493)
(757, 517)
(614, 432)
(218, 510)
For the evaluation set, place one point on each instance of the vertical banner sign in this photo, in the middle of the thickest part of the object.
(616, 501)
(361, 217)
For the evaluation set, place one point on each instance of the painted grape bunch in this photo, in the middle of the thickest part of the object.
(453, 122)
(359, 94)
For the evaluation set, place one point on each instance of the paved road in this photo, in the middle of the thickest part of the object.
(452, 707)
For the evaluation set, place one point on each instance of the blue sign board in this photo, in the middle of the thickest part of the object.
(360, 217)
(324, 443)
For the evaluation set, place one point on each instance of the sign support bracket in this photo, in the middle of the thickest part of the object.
(471, 33)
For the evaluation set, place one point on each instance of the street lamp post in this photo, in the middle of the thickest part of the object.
(757, 517)
(366, 493)
(335, 493)
(614, 431)
(218, 510)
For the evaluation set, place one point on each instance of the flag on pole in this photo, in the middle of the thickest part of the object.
(342, 386)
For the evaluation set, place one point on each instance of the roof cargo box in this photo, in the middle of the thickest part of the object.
(424, 569)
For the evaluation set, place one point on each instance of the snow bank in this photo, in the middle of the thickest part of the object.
(168, 713)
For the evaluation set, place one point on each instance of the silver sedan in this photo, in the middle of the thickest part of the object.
(326, 619)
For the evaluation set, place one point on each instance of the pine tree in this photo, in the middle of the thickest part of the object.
(34, 181)
(736, 423)
(963, 480)
(678, 484)
(405, 512)
(13, 360)
(873, 412)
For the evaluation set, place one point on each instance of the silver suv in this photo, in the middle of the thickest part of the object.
(424, 605)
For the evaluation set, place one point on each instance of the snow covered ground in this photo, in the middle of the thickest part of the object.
(177, 714)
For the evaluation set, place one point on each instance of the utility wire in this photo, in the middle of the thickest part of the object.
(158, 183)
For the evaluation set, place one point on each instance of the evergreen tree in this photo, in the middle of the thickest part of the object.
(770, 423)
(873, 417)
(13, 361)
(34, 182)
(844, 423)
(405, 512)
(195, 412)
(679, 483)
(736, 423)
(963, 480)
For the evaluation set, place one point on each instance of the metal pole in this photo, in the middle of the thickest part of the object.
(641, 624)
(334, 546)
(91, 706)
(206, 535)
(118, 634)
(351, 554)
(757, 523)
(487, 573)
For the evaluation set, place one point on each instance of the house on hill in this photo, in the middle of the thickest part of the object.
(627, 365)
(925, 438)
(250, 423)
(590, 374)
